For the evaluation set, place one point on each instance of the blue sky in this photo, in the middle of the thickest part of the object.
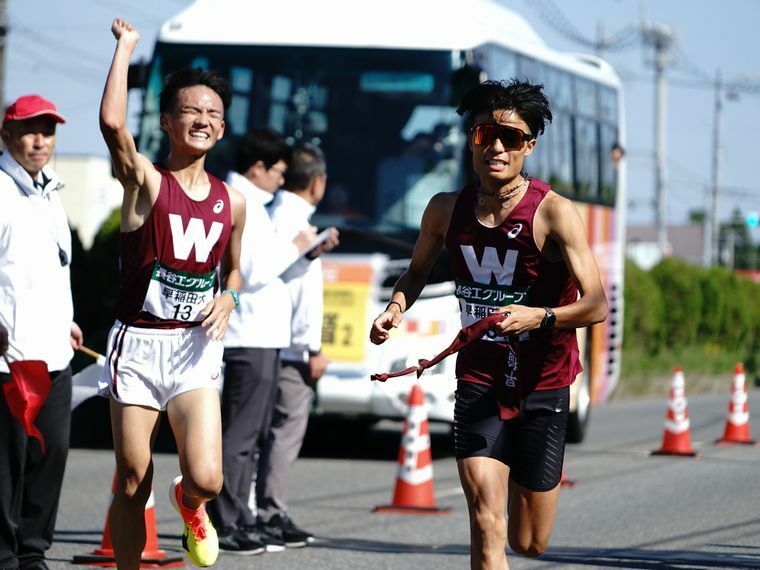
(64, 53)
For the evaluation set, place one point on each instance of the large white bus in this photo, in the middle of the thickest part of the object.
(375, 84)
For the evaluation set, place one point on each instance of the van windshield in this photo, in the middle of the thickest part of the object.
(384, 119)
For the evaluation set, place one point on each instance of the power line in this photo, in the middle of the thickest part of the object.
(620, 40)
(42, 40)
(31, 52)
(126, 9)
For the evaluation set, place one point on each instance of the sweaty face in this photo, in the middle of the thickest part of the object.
(31, 142)
(196, 121)
(492, 161)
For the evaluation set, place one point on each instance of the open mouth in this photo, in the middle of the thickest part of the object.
(496, 164)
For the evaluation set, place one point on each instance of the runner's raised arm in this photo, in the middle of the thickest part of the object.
(132, 169)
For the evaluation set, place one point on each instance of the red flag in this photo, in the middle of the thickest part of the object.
(508, 399)
(26, 394)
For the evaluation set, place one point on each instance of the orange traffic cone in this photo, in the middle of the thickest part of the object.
(737, 424)
(151, 556)
(677, 438)
(565, 482)
(414, 484)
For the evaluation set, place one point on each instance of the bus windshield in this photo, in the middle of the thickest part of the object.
(384, 119)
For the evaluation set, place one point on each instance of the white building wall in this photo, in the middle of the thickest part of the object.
(90, 193)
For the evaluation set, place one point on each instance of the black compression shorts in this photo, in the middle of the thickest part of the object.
(532, 445)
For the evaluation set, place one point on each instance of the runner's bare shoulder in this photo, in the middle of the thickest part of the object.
(237, 201)
(439, 209)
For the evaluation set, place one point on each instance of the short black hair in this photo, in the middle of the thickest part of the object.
(265, 145)
(306, 163)
(524, 98)
(188, 77)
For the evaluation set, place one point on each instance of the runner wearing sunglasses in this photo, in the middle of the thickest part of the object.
(520, 249)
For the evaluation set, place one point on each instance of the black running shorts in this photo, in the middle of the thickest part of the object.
(532, 445)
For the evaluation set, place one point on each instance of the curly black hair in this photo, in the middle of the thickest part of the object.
(524, 98)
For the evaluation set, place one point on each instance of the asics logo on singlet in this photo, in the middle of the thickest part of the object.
(513, 233)
(184, 239)
(219, 206)
(490, 264)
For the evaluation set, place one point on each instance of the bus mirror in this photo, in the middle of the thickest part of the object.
(137, 75)
(464, 79)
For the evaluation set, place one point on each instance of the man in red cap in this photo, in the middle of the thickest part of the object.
(37, 333)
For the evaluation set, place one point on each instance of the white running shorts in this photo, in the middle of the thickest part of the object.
(149, 367)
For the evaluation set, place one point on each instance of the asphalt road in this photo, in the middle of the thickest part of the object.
(627, 510)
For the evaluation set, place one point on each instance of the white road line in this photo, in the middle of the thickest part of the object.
(449, 492)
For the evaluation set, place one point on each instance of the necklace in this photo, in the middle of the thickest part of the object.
(504, 195)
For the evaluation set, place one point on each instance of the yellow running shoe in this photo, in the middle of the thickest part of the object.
(199, 539)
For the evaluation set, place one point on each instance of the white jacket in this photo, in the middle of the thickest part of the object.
(290, 214)
(262, 320)
(35, 290)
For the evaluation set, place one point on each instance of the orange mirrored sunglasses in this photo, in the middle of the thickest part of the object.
(511, 138)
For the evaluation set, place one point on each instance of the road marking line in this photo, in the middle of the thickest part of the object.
(450, 492)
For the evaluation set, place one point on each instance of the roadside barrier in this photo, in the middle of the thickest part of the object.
(737, 423)
(152, 556)
(676, 439)
(414, 492)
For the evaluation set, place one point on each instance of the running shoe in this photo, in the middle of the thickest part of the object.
(233, 540)
(199, 539)
(271, 543)
(281, 527)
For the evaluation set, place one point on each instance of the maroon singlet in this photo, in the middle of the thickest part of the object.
(494, 267)
(183, 234)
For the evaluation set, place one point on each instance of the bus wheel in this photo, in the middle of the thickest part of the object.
(578, 418)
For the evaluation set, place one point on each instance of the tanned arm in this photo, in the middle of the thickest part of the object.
(219, 309)
(564, 227)
(433, 228)
(135, 172)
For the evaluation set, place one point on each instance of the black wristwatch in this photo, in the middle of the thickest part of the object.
(549, 319)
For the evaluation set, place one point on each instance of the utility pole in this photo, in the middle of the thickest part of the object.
(712, 227)
(660, 37)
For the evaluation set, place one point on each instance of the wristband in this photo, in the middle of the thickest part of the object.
(234, 295)
(313, 353)
(400, 308)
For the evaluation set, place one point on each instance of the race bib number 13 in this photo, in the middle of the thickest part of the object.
(178, 295)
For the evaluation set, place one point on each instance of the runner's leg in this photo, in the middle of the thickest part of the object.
(134, 430)
(531, 518)
(196, 421)
(535, 476)
(484, 481)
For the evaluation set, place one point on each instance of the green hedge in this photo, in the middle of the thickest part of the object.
(676, 305)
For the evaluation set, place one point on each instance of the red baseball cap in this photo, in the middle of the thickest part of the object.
(29, 106)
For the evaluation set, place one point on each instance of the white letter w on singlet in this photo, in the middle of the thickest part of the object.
(490, 265)
(195, 235)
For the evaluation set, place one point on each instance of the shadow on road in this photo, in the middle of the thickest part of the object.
(600, 557)
(345, 439)
(325, 437)
(637, 558)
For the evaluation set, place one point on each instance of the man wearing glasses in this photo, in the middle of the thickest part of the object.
(518, 249)
(257, 331)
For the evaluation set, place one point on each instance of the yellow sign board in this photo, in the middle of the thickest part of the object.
(347, 292)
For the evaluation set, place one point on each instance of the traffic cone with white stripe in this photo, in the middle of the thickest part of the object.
(676, 439)
(151, 557)
(414, 492)
(737, 423)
